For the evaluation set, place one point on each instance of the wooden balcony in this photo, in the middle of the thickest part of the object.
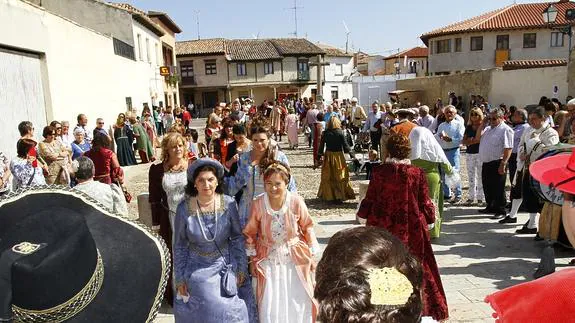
(190, 80)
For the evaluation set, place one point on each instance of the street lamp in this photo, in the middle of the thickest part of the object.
(550, 14)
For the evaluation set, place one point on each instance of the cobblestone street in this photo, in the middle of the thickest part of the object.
(476, 255)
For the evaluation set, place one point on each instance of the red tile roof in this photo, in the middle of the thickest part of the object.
(412, 52)
(251, 50)
(536, 63)
(201, 47)
(515, 16)
(334, 51)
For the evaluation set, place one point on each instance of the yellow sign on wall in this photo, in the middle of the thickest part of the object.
(164, 71)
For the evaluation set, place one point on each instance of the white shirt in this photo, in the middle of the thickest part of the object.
(494, 141)
(535, 142)
(110, 195)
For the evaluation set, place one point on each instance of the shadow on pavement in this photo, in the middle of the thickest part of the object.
(504, 273)
(349, 222)
(318, 204)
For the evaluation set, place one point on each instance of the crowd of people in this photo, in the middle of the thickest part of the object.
(241, 238)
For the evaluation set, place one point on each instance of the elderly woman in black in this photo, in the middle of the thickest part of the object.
(335, 184)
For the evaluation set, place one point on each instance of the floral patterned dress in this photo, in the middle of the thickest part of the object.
(249, 180)
(25, 174)
(282, 243)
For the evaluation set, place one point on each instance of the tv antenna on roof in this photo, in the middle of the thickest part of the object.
(347, 32)
(198, 22)
(295, 8)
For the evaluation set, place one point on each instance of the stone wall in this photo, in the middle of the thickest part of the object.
(515, 87)
(435, 87)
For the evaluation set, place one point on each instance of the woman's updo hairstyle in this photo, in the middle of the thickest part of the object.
(343, 291)
(398, 146)
(277, 167)
(259, 125)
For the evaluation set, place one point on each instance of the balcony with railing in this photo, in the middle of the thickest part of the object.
(188, 80)
(303, 76)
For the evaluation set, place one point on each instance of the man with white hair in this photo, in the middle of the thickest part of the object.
(425, 119)
(110, 195)
(449, 135)
(495, 150)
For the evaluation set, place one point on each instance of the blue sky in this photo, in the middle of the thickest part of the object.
(377, 27)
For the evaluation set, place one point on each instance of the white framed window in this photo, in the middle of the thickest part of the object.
(334, 92)
(140, 47)
(241, 69)
(210, 67)
(156, 57)
(148, 56)
(557, 39)
(268, 68)
(338, 69)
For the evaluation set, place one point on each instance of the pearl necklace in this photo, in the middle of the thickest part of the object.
(198, 212)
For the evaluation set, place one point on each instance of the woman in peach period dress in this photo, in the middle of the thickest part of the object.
(280, 241)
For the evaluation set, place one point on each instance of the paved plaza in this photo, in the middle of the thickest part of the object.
(476, 255)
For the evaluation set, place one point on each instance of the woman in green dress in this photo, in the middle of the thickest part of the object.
(143, 142)
(427, 154)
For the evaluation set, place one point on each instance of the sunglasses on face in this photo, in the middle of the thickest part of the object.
(474, 115)
(100, 123)
(58, 128)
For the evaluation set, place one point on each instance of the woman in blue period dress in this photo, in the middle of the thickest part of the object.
(207, 239)
(248, 177)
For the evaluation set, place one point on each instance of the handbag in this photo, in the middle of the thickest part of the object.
(127, 194)
(229, 280)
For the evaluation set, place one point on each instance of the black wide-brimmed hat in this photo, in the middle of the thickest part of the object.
(65, 257)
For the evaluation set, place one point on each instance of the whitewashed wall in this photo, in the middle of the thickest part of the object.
(524, 87)
(79, 68)
(148, 64)
(21, 97)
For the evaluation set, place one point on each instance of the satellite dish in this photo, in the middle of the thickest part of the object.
(570, 14)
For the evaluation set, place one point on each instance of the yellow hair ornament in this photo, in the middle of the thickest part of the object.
(388, 286)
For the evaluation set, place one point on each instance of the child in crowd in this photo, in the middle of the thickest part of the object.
(347, 133)
(373, 161)
(195, 150)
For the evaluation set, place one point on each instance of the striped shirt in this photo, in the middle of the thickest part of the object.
(494, 141)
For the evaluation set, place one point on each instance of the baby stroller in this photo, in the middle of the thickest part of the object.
(362, 143)
(361, 146)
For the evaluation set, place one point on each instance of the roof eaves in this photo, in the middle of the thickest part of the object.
(441, 31)
(167, 20)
